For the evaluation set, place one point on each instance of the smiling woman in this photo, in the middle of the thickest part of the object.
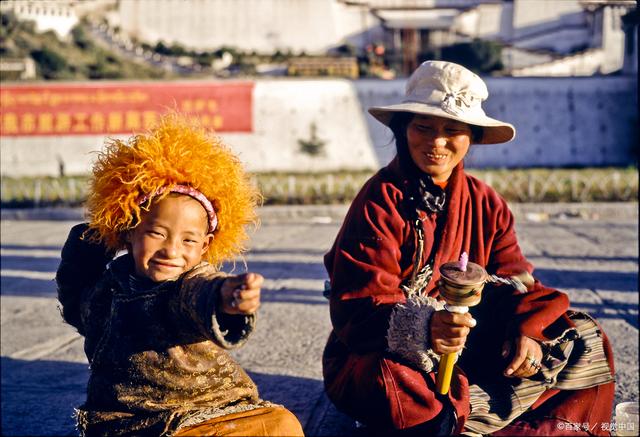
(414, 216)
(437, 145)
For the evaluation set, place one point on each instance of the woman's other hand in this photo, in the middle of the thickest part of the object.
(241, 294)
(449, 331)
(526, 359)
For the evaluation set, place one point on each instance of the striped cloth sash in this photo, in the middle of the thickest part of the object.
(573, 361)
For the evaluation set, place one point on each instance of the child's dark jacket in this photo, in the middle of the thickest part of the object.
(157, 357)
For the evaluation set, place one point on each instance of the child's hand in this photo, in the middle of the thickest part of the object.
(241, 294)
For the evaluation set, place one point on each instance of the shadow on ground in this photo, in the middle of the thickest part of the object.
(306, 399)
(38, 399)
(605, 280)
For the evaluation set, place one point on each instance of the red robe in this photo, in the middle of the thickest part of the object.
(374, 253)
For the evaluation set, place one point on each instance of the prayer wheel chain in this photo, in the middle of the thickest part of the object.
(513, 281)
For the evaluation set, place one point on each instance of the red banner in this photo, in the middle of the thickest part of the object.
(121, 108)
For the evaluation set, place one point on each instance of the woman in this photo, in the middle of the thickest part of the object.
(529, 366)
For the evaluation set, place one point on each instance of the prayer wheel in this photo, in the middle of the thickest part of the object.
(461, 287)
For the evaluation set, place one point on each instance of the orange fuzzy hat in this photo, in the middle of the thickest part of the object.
(176, 152)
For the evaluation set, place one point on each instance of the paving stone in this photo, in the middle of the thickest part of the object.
(44, 371)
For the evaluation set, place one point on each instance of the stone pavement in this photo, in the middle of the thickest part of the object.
(589, 251)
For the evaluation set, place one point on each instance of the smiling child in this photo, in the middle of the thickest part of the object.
(158, 319)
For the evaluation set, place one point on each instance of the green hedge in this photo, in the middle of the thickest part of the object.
(521, 185)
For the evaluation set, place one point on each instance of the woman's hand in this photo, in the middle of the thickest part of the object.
(449, 331)
(526, 359)
(241, 294)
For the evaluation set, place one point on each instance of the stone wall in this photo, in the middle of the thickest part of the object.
(560, 122)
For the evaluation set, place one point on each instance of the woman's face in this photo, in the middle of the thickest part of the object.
(437, 145)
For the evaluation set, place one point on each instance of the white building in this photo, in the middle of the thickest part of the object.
(541, 37)
(586, 40)
(57, 15)
(309, 26)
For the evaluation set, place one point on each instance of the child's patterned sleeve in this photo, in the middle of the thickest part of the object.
(199, 301)
(82, 264)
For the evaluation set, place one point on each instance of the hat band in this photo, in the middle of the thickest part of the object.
(193, 193)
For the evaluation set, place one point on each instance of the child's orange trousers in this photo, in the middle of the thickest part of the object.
(268, 421)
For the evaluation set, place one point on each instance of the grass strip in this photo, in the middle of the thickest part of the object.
(516, 185)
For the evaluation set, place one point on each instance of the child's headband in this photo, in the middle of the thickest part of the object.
(191, 192)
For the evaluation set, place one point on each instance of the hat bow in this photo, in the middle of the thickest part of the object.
(458, 102)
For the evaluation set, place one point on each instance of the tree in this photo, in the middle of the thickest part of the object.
(50, 63)
(478, 55)
(313, 146)
(80, 38)
(162, 48)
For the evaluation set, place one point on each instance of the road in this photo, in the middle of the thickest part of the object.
(592, 255)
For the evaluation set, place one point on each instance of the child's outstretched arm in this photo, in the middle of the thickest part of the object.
(82, 264)
(221, 307)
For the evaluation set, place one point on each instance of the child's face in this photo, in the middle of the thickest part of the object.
(170, 239)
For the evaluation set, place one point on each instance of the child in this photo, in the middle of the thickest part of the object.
(158, 319)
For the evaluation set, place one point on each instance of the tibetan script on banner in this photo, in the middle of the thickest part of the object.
(125, 108)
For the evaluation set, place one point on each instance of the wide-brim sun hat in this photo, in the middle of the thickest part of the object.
(448, 90)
